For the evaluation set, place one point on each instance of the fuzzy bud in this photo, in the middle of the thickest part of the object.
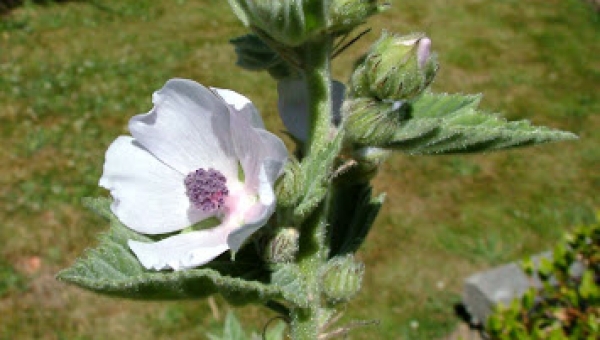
(371, 122)
(396, 68)
(283, 247)
(287, 22)
(345, 15)
(342, 278)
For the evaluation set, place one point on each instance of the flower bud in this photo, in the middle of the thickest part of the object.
(369, 159)
(371, 122)
(342, 278)
(396, 68)
(345, 15)
(283, 247)
(287, 22)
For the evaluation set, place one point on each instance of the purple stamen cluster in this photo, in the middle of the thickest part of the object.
(206, 189)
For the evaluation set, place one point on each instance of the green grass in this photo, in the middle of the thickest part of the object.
(72, 74)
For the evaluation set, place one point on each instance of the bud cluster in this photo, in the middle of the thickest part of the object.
(291, 23)
(394, 73)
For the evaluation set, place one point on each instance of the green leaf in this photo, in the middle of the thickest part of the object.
(444, 124)
(112, 269)
(316, 171)
(353, 212)
(288, 279)
(276, 332)
(589, 289)
(232, 329)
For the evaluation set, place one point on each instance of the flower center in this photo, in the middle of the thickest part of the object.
(206, 189)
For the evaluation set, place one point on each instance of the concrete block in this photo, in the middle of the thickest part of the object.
(484, 290)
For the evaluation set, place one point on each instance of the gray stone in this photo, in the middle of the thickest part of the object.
(485, 290)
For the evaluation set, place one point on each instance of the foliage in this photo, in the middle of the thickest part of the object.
(567, 305)
(232, 330)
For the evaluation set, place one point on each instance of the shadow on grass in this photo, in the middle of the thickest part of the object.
(7, 5)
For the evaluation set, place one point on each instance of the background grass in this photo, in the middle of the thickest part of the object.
(72, 74)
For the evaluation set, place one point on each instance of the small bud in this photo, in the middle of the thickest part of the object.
(371, 122)
(342, 278)
(287, 22)
(396, 68)
(289, 188)
(345, 15)
(283, 247)
(369, 159)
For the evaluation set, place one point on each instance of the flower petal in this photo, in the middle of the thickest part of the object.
(188, 128)
(149, 197)
(293, 105)
(187, 250)
(257, 149)
(255, 217)
(241, 105)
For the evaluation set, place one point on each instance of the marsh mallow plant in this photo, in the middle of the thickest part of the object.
(205, 200)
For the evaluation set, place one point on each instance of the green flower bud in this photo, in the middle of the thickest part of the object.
(283, 247)
(287, 22)
(396, 68)
(342, 278)
(289, 188)
(345, 15)
(369, 159)
(371, 122)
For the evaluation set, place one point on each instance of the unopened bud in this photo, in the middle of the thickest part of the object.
(342, 278)
(345, 15)
(287, 22)
(396, 68)
(371, 122)
(283, 247)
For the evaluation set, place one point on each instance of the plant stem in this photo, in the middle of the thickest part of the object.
(318, 82)
(306, 321)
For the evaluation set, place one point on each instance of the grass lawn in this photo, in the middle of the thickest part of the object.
(73, 73)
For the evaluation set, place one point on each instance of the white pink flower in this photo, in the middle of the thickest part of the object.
(199, 155)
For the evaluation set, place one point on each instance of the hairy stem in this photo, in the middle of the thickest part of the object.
(306, 321)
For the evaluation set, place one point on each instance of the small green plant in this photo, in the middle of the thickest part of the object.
(567, 304)
(232, 330)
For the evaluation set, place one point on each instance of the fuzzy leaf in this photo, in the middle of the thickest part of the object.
(444, 124)
(112, 269)
(316, 171)
(287, 278)
(353, 212)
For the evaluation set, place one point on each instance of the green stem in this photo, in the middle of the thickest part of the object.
(306, 321)
(318, 81)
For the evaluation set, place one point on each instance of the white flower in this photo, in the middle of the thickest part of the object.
(293, 106)
(181, 166)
